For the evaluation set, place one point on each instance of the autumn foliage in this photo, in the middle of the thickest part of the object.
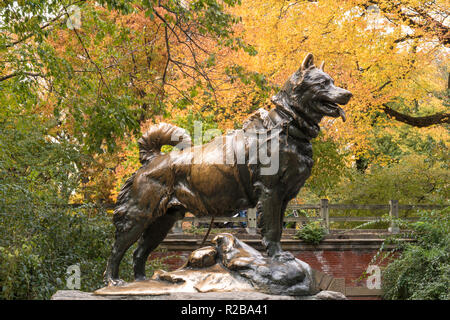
(134, 63)
(82, 80)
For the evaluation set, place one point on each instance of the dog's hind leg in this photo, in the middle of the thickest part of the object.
(124, 239)
(151, 238)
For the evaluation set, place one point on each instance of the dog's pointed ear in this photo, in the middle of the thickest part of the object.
(322, 65)
(308, 62)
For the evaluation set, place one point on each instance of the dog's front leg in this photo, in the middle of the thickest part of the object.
(271, 207)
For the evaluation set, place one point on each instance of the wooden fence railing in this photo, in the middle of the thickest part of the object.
(323, 208)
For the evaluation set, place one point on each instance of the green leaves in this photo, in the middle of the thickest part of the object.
(237, 72)
(124, 6)
(100, 112)
(33, 264)
(412, 180)
(329, 167)
(312, 232)
(422, 271)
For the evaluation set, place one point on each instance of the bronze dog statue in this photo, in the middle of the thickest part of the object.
(197, 179)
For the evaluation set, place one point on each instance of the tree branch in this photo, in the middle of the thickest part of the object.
(419, 122)
(14, 74)
(89, 56)
(197, 66)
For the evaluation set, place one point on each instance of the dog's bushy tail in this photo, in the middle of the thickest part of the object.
(149, 145)
(162, 134)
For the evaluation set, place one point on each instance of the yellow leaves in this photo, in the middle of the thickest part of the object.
(364, 52)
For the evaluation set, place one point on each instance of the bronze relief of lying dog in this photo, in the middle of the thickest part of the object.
(226, 175)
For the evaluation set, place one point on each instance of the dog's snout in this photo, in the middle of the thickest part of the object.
(344, 96)
(348, 94)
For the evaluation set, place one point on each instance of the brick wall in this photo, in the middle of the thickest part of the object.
(349, 265)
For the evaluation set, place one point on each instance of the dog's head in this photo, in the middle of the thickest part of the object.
(310, 94)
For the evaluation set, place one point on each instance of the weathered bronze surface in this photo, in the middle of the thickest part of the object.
(229, 266)
(168, 185)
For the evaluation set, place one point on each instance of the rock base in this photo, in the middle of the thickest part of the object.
(228, 266)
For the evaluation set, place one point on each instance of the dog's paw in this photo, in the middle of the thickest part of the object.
(115, 282)
(140, 278)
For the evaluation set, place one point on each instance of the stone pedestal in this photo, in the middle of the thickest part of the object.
(79, 295)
